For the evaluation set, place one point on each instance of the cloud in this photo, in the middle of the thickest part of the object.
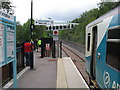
(56, 9)
(66, 15)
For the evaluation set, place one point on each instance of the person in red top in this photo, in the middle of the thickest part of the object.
(27, 50)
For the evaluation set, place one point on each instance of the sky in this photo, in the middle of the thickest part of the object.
(57, 10)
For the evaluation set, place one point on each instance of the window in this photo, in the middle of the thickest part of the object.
(113, 48)
(88, 42)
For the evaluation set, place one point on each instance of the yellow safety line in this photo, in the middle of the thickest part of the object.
(61, 77)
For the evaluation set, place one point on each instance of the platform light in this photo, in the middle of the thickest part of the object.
(54, 27)
(68, 26)
(57, 27)
(47, 28)
(60, 27)
(50, 27)
(65, 26)
(72, 25)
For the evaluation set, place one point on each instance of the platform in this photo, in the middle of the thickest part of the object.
(67, 74)
(51, 73)
(44, 75)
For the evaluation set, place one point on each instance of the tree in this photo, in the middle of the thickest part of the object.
(7, 6)
(19, 32)
(24, 32)
(78, 34)
(105, 7)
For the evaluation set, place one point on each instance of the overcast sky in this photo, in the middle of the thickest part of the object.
(59, 10)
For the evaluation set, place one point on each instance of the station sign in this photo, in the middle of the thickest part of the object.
(7, 38)
(8, 42)
(43, 22)
(6, 16)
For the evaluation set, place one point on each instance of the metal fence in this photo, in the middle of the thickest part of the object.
(7, 73)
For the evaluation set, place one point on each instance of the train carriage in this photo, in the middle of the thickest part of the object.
(103, 50)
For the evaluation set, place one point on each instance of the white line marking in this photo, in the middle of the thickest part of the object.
(78, 73)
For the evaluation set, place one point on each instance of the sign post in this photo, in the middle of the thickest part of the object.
(32, 28)
(44, 22)
(8, 42)
(56, 38)
(55, 35)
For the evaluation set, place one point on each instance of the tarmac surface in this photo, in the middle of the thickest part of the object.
(51, 73)
(44, 75)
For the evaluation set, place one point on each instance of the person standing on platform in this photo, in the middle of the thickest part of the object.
(39, 44)
(27, 50)
(35, 44)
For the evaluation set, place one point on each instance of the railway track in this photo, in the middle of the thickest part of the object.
(78, 61)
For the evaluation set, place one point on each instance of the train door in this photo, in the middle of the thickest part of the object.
(94, 48)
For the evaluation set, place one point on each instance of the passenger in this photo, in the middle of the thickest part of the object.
(39, 45)
(36, 46)
(33, 44)
(27, 50)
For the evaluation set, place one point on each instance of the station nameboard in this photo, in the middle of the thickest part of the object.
(8, 42)
(6, 16)
(7, 38)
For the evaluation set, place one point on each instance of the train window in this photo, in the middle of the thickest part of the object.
(113, 48)
(114, 34)
(88, 42)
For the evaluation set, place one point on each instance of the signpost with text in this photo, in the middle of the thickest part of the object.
(55, 35)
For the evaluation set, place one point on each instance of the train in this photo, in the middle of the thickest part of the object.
(102, 50)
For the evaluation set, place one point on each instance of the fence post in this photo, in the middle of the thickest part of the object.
(42, 48)
(0, 76)
(22, 50)
(60, 49)
(31, 60)
(53, 50)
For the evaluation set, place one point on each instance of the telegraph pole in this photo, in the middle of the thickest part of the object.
(32, 28)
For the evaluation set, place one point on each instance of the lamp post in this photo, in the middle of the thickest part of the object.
(32, 28)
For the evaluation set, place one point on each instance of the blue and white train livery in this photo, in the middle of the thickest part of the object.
(103, 50)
